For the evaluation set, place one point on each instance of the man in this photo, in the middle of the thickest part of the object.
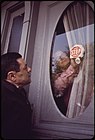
(15, 108)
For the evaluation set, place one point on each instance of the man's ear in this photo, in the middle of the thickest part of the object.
(11, 76)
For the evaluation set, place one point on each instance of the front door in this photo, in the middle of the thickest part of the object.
(69, 112)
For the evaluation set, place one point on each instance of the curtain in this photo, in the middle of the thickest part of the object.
(78, 21)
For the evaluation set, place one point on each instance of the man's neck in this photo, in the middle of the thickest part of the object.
(12, 83)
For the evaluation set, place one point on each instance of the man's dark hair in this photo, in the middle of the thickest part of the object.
(9, 63)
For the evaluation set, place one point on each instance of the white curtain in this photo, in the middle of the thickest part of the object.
(78, 20)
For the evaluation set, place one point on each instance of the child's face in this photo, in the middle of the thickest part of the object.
(64, 62)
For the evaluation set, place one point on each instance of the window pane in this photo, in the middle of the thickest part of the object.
(72, 78)
(16, 31)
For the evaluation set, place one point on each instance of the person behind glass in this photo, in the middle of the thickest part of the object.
(16, 111)
(66, 71)
(69, 69)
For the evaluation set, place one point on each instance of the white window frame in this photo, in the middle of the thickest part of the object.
(6, 15)
(13, 15)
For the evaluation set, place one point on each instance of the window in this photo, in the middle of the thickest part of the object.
(73, 92)
(12, 26)
(16, 31)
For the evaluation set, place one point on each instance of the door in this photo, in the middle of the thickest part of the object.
(48, 119)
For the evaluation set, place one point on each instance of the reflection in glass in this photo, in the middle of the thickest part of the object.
(72, 84)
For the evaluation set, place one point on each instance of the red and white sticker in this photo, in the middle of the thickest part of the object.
(76, 51)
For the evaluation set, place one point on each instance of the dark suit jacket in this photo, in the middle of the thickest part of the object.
(15, 113)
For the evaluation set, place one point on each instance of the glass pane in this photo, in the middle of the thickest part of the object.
(72, 60)
(16, 31)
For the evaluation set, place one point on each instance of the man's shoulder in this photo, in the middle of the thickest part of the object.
(7, 88)
(5, 84)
